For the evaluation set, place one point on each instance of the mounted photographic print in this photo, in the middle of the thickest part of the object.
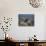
(26, 19)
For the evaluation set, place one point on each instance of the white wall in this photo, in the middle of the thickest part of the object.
(45, 28)
(12, 8)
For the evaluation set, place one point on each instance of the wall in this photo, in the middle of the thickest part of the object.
(45, 28)
(11, 8)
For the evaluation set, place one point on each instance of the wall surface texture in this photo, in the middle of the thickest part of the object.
(11, 8)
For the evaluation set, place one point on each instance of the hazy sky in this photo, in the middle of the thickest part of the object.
(28, 16)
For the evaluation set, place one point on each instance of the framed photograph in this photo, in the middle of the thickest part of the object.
(26, 19)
